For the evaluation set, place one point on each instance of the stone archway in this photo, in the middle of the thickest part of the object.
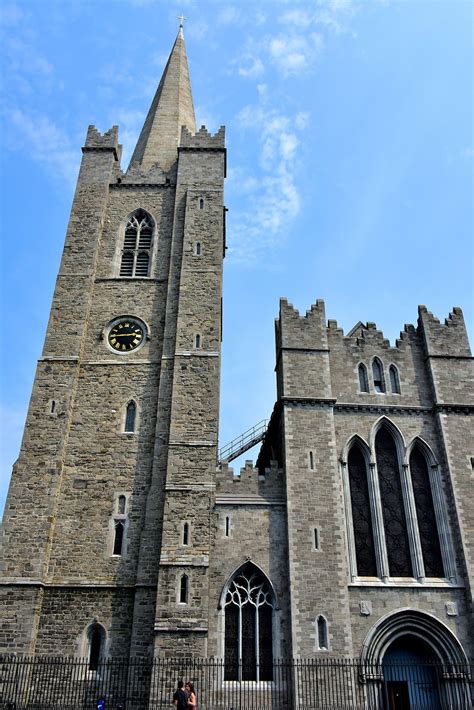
(410, 659)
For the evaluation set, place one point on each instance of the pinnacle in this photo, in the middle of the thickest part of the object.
(171, 108)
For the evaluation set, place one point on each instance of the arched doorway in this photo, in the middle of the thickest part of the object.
(411, 660)
(410, 675)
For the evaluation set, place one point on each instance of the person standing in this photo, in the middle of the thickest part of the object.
(191, 696)
(180, 697)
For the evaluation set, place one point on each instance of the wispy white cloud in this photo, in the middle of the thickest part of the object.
(251, 66)
(228, 15)
(274, 188)
(297, 47)
(45, 142)
(295, 53)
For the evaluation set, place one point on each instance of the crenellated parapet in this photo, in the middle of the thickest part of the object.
(95, 140)
(294, 330)
(154, 175)
(448, 338)
(266, 484)
(202, 139)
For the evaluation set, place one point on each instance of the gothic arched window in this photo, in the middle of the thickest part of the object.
(394, 379)
(249, 605)
(425, 513)
(363, 379)
(361, 514)
(377, 371)
(130, 416)
(393, 509)
(137, 245)
(96, 642)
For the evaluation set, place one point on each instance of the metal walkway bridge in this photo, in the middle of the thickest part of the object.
(244, 442)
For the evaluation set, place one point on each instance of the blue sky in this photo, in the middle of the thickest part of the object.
(350, 162)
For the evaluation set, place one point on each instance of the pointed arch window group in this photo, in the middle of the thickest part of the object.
(137, 245)
(397, 522)
(378, 377)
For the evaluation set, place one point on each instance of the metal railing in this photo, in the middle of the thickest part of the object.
(44, 683)
(244, 442)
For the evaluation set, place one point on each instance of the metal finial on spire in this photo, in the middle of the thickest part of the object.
(181, 19)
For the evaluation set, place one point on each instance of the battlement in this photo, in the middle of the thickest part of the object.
(98, 140)
(137, 175)
(448, 338)
(202, 139)
(250, 481)
(294, 330)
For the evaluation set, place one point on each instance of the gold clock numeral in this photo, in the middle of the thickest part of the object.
(124, 347)
(117, 346)
(135, 342)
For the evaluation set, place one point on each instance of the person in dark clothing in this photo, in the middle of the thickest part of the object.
(180, 697)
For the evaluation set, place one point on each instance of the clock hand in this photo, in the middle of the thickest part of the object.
(126, 335)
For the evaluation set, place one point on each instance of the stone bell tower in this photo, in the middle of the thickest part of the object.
(106, 532)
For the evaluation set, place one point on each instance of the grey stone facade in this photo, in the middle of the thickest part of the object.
(184, 517)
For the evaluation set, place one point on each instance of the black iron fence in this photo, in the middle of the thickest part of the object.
(44, 683)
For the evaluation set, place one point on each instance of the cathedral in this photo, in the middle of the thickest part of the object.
(127, 531)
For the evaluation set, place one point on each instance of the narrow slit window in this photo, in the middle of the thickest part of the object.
(394, 380)
(130, 417)
(311, 460)
(377, 370)
(53, 406)
(119, 535)
(227, 526)
(183, 589)
(121, 505)
(322, 633)
(363, 379)
(201, 203)
(186, 534)
(197, 249)
(316, 538)
(197, 341)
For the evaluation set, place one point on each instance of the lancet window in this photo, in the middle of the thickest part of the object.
(377, 372)
(96, 643)
(249, 607)
(426, 515)
(397, 518)
(130, 416)
(361, 514)
(393, 509)
(394, 379)
(137, 245)
(363, 379)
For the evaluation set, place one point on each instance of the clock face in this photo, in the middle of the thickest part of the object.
(126, 335)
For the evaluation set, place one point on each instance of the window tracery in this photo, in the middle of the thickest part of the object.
(137, 245)
(249, 606)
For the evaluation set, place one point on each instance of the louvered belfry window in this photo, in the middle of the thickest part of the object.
(137, 245)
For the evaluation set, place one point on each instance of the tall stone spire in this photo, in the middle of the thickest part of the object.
(172, 107)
